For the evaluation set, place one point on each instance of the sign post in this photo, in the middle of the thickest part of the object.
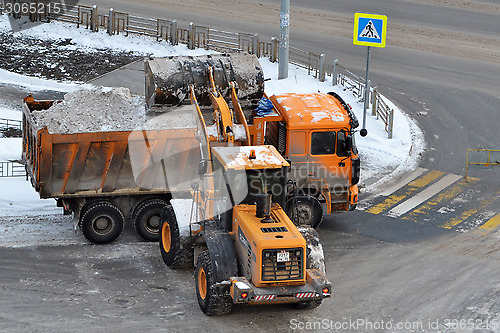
(369, 30)
(284, 40)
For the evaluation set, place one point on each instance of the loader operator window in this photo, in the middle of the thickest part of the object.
(264, 181)
(323, 143)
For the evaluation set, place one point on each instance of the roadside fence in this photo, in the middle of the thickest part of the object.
(484, 157)
(12, 169)
(197, 36)
(10, 123)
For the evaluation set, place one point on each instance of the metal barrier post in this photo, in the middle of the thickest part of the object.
(274, 49)
(334, 75)
(255, 45)
(467, 165)
(390, 124)
(111, 22)
(374, 102)
(191, 36)
(322, 67)
(94, 19)
(174, 37)
(32, 14)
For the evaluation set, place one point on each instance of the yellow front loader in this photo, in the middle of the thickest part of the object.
(247, 249)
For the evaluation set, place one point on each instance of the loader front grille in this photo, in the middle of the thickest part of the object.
(276, 268)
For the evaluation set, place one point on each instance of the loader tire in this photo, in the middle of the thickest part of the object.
(176, 252)
(146, 218)
(305, 212)
(101, 222)
(211, 303)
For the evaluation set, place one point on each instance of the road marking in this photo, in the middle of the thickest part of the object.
(414, 186)
(431, 204)
(465, 215)
(491, 225)
(427, 179)
(411, 176)
(423, 196)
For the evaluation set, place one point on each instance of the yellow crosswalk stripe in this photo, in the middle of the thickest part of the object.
(414, 186)
(465, 215)
(491, 225)
(426, 179)
(447, 195)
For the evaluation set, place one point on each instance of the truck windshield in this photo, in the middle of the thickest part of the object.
(323, 143)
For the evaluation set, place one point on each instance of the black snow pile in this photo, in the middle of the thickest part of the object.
(56, 59)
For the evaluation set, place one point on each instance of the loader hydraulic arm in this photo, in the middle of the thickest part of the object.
(223, 116)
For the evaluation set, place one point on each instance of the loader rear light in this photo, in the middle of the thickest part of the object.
(326, 291)
(244, 295)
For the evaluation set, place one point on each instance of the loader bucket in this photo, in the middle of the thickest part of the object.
(168, 78)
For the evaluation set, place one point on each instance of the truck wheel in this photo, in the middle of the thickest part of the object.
(305, 212)
(146, 218)
(211, 303)
(176, 251)
(101, 222)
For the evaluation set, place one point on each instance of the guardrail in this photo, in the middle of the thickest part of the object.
(10, 123)
(485, 157)
(381, 110)
(12, 169)
(205, 37)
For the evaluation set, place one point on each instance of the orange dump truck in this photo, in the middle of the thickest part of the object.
(107, 177)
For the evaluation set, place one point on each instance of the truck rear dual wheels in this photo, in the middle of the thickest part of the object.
(146, 218)
(211, 303)
(176, 251)
(101, 222)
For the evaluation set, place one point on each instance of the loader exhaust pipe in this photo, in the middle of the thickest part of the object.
(263, 202)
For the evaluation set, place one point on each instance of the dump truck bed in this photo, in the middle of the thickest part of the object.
(109, 163)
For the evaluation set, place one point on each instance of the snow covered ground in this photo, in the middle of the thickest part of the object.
(27, 220)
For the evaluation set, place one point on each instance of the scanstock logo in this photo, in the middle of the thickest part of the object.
(24, 14)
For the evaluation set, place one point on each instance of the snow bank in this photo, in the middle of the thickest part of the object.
(85, 40)
(36, 84)
(10, 149)
(8, 112)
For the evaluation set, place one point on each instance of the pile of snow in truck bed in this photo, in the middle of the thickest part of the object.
(93, 110)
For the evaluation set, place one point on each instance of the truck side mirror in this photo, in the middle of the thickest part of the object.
(202, 167)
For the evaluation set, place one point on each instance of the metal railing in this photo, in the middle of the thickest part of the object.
(12, 169)
(484, 157)
(381, 110)
(205, 37)
(10, 123)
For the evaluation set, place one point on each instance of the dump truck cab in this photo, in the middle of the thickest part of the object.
(250, 251)
(315, 131)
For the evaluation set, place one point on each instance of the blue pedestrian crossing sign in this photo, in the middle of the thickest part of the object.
(370, 29)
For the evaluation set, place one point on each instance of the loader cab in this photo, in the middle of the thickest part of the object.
(242, 174)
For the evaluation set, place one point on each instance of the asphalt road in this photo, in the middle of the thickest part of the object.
(441, 66)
